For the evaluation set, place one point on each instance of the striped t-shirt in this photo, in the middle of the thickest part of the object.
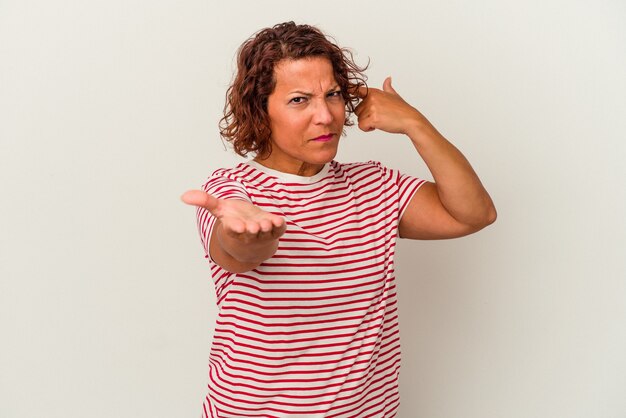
(312, 331)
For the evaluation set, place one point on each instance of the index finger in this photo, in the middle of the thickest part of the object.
(361, 92)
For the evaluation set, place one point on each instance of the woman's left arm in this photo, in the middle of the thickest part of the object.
(456, 204)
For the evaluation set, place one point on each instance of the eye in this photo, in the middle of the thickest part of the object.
(297, 100)
(336, 93)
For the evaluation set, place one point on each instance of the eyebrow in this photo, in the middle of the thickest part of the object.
(304, 93)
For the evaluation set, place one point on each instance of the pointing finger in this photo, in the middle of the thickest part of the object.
(359, 109)
(361, 92)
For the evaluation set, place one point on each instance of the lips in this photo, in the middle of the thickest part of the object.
(324, 138)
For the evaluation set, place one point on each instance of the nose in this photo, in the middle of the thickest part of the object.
(322, 114)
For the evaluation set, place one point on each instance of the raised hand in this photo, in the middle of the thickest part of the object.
(386, 110)
(456, 204)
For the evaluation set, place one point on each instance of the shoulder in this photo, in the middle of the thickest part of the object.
(238, 173)
(227, 181)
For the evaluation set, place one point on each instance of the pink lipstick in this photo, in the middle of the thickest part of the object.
(324, 138)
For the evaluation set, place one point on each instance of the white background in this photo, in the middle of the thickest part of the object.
(109, 111)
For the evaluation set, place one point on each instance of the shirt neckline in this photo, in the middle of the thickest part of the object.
(291, 178)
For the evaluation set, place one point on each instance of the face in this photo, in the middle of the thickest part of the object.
(306, 113)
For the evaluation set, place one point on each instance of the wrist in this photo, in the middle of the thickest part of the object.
(421, 131)
(255, 254)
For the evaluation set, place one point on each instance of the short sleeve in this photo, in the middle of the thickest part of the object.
(406, 186)
(222, 188)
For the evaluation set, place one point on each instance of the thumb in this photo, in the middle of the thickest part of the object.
(200, 199)
(387, 86)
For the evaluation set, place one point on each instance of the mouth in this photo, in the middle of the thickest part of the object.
(324, 138)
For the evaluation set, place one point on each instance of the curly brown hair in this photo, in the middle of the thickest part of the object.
(246, 122)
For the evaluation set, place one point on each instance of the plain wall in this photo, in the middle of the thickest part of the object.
(109, 111)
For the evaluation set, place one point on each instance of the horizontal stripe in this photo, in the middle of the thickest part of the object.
(312, 331)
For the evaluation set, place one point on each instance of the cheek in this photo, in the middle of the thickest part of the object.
(340, 115)
(338, 109)
(280, 123)
(285, 128)
(297, 122)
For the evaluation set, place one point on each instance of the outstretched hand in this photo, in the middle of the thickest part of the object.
(239, 219)
(386, 110)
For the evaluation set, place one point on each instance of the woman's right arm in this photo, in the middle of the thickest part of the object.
(243, 235)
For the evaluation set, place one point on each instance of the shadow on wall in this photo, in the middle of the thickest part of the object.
(446, 317)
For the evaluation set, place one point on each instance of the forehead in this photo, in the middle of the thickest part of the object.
(306, 73)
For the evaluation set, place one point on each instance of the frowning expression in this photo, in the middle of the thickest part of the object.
(307, 113)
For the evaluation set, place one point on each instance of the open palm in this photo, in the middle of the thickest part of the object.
(240, 219)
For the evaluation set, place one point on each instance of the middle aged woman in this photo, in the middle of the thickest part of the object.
(301, 247)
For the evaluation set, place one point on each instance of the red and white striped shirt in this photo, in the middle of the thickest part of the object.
(312, 331)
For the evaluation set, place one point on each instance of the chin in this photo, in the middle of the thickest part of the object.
(324, 157)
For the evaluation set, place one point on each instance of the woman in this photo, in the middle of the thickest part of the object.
(301, 247)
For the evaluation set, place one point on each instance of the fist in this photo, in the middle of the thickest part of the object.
(386, 110)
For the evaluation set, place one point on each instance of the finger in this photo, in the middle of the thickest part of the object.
(365, 122)
(279, 231)
(278, 221)
(359, 109)
(387, 86)
(366, 125)
(233, 226)
(265, 225)
(361, 92)
(201, 199)
(252, 227)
